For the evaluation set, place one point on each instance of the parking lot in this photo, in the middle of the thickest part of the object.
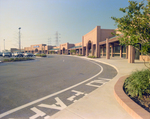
(45, 81)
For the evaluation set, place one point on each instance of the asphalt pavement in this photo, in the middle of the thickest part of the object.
(44, 86)
(101, 103)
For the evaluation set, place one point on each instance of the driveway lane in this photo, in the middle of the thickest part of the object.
(23, 82)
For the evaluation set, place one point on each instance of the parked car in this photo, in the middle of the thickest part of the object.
(28, 54)
(36, 54)
(7, 54)
(13, 54)
(18, 54)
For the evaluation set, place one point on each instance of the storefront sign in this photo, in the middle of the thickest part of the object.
(36, 46)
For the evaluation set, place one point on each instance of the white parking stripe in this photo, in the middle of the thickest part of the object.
(46, 97)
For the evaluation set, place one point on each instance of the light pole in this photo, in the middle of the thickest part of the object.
(19, 40)
(4, 45)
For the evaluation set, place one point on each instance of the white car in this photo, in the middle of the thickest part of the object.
(18, 54)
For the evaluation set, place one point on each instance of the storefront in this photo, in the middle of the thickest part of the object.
(98, 42)
(40, 48)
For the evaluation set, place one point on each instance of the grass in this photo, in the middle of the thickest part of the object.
(17, 59)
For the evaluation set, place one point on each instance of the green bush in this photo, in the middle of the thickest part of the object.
(80, 55)
(11, 59)
(17, 59)
(28, 58)
(6, 60)
(41, 55)
(92, 57)
(73, 51)
(138, 84)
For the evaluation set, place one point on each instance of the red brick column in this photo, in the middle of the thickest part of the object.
(107, 49)
(131, 54)
(120, 51)
(87, 51)
(112, 50)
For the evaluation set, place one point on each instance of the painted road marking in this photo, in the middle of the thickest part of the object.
(39, 113)
(74, 96)
(94, 82)
(54, 106)
(104, 78)
(46, 97)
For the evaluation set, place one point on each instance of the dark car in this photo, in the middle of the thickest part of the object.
(7, 54)
(1, 54)
(28, 55)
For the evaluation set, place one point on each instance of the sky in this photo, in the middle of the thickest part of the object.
(41, 19)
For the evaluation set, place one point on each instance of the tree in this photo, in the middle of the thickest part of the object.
(73, 51)
(135, 26)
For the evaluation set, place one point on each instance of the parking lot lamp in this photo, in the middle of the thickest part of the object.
(4, 45)
(19, 40)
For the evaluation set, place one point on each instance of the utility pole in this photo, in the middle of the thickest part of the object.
(57, 38)
(49, 41)
(4, 45)
(19, 40)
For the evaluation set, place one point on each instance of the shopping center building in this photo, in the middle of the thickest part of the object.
(98, 42)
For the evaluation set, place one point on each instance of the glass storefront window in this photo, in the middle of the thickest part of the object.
(123, 49)
(117, 49)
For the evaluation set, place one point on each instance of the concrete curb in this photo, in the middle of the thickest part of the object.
(136, 111)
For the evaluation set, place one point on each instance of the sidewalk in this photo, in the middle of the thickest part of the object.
(101, 103)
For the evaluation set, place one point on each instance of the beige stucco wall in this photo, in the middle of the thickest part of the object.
(106, 33)
(33, 47)
(97, 35)
(56, 47)
(65, 45)
(70, 45)
(91, 36)
(78, 44)
(48, 47)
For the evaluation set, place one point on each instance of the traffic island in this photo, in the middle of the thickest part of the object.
(17, 59)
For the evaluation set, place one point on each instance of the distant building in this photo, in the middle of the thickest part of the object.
(98, 42)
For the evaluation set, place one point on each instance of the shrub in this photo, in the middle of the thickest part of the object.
(92, 57)
(11, 59)
(80, 55)
(16, 59)
(138, 84)
(73, 51)
(6, 60)
(41, 55)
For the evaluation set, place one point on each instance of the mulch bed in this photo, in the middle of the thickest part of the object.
(143, 102)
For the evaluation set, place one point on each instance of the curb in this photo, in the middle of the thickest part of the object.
(136, 111)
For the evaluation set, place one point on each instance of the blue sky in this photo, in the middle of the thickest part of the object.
(40, 19)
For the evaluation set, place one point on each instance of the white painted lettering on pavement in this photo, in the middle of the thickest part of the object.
(38, 112)
(54, 106)
(77, 94)
(94, 82)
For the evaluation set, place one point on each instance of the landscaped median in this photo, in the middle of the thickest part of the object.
(135, 110)
(17, 59)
